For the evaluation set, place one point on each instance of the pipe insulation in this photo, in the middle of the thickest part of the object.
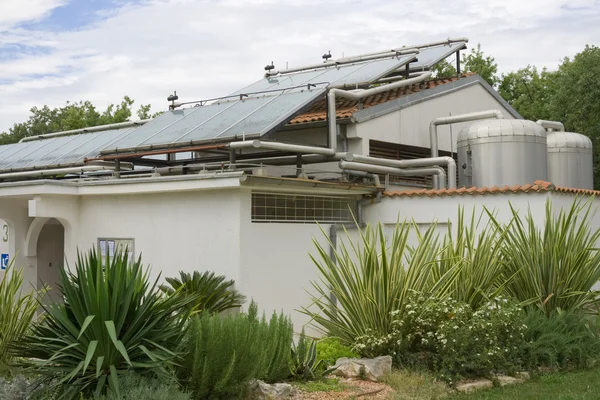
(551, 125)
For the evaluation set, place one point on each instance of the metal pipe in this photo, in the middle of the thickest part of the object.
(365, 174)
(157, 152)
(360, 94)
(433, 137)
(57, 171)
(423, 45)
(90, 129)
(377, 169)
(419, 162)
(296, 148)
(551, 125)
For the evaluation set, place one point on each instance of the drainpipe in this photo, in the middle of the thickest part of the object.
(56, 171)
(419, 162)
(361, 94)
(433, 137)
(91, 129)
(551, 125)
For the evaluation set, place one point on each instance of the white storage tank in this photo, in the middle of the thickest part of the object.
(499, 152)
(570, 160)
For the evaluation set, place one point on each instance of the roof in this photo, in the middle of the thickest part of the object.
(345, 108)
(536, 187)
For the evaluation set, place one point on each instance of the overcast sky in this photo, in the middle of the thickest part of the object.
(52, 51)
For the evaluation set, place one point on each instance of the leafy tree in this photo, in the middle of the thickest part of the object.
(529, 91)
(475, 61)
(71, 116)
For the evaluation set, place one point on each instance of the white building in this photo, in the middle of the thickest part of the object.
(237, 185)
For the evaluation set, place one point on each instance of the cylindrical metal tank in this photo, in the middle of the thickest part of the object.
(570, 160)
(498, 152)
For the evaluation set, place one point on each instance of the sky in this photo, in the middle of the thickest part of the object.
(54, 51)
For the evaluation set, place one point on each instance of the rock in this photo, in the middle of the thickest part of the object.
(468, 387)
(523, 376)
(504, 380)
(374, 368)
(260, 390)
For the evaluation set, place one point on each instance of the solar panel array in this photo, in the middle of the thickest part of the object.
(251, 112)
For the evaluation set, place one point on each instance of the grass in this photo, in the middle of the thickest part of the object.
(411, 385)
(322, 385)
(582, 385)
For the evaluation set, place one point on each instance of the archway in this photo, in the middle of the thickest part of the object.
(50, 257)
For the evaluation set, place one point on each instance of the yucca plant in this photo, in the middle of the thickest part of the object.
(212, 292)
(113, 319)
(359, 289)
(304, 362)
(17, 312)
(555, 266)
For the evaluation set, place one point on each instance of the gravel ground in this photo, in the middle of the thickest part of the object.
(356, 389)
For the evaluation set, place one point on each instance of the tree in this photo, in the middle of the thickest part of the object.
(529, 91)
(475, 61)
(71, 116)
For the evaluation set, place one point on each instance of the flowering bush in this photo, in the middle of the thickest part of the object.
(452, 339)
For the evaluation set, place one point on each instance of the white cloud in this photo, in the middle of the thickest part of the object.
(204, 49)
(14, 12)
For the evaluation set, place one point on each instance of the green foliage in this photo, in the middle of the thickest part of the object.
(304, 362)
(19, 387)
(75, 115)
(224, 353)
(113, 319)
(415, 385)
(564, 340)
(136, 387)
(321, 385)
(553, 267)
(367, 281)
(485, 66)
(443, 69)
(211, 292)
(330, 349)
(530, 92)
(17, 312)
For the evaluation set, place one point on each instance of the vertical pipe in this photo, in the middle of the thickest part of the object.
(458, 64)
(332, 138)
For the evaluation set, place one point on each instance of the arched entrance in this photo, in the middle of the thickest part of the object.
(50, 257)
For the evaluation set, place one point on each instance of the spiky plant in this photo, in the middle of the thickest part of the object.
(212, 292)
(113, 319)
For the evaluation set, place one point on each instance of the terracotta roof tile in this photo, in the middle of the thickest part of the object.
(536, 187)
(346, 107)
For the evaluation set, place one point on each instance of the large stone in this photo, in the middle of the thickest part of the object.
(260, 390)
(372, 368)
(523, 375)
(468, 387)
(504, 380)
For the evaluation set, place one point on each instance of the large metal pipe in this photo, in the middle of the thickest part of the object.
(551, 125)
(360, 94)
(422, 46)
(295, 148)
(419, 162)
(366, 174)
(377, 169)
(454, 119)
(57, 171)
(100, 128)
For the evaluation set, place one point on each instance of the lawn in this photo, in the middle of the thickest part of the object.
(584, 385)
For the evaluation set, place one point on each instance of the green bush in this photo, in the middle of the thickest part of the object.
(304, 363)
(563, 340)
(330, 349)
(211, 292)
(113, 319)
(136, 387)
(553, 267)
(17, 312)
(224, 353)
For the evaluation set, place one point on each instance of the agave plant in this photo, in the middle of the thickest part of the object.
(17, 312)
(363, 283)
(212, 292)
(304, 363)
(113, 319)
(554, 267)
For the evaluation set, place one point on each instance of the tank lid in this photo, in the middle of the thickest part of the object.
(568, 140)
(500, 127)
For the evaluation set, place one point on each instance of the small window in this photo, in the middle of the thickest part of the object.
(111, 246)
(295, 208)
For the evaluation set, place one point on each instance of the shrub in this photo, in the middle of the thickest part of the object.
(304, 363)
(565, 339)
(224, 353)
(330, 349)
(19, 387)
(136, 387)
(211, 292)
(365, 282)
(554, 267)
(17, 311)
(113, 319)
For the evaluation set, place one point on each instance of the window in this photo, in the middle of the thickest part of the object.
(295, 208)
(111, 246)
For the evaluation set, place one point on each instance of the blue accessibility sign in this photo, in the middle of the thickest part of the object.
(4, 261)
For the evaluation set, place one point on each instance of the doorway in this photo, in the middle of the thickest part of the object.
(50, 257)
